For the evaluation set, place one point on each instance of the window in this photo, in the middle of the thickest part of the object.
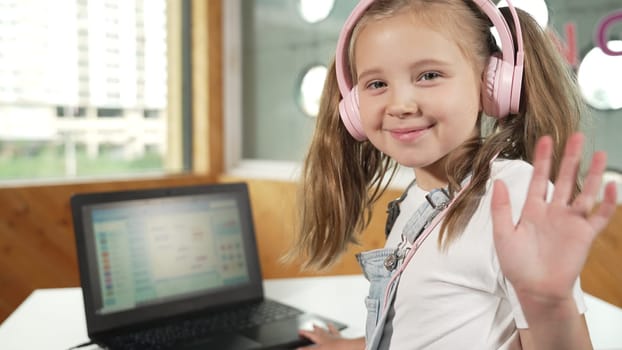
(84, 88)
(70, 111)
(310, 88)
(151, 113)
(314, 11)
(109, 112)
(601, 94)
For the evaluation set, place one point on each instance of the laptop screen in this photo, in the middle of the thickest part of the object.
(150, 253)
(152, 250)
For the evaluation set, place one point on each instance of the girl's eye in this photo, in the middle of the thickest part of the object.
(429, 76)
(376, 85)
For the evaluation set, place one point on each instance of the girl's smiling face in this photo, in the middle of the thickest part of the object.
(419, 96)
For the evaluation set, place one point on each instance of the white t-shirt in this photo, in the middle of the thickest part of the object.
(459, 298)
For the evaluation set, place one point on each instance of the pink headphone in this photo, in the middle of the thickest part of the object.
(500, 96)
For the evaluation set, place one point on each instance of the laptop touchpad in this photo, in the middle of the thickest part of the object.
(227, 341)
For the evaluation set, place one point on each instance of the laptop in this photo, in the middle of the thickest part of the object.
(178, 268)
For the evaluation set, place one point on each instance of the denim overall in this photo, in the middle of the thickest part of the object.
(379, 266)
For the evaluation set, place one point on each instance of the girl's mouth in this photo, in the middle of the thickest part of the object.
(409, 135)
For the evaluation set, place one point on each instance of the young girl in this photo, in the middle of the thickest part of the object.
(468, 263)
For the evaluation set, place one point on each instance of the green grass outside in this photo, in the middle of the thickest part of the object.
(49, 162)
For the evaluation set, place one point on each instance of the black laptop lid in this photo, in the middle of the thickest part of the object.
(150, 254)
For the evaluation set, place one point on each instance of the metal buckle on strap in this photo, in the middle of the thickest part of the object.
(392, 260)
(435, 203)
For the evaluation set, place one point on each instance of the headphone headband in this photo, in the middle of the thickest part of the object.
(505, 35)
(504, 73)
(341, 59)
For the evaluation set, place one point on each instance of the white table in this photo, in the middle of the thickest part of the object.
(53, 319)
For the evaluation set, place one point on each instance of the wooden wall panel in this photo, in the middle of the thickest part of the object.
(602, 275)
(37, 247)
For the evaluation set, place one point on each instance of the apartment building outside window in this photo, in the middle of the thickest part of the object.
(83, 88)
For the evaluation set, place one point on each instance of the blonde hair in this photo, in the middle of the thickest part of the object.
(342, 178)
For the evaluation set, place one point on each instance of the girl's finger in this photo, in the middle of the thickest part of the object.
(585, 201)
(541, 169)
(566, 179)
(607, 208)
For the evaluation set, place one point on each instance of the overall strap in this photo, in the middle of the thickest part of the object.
(436, 201)
(393, 209)
(438, 214)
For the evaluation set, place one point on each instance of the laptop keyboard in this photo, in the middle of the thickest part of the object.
(167, 336)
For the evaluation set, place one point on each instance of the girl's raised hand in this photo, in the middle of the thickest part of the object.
(544, 253)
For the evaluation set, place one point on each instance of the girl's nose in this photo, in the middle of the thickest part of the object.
(402, 104)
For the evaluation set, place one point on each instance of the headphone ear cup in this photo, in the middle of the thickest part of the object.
(497, 87)
(350, 116)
